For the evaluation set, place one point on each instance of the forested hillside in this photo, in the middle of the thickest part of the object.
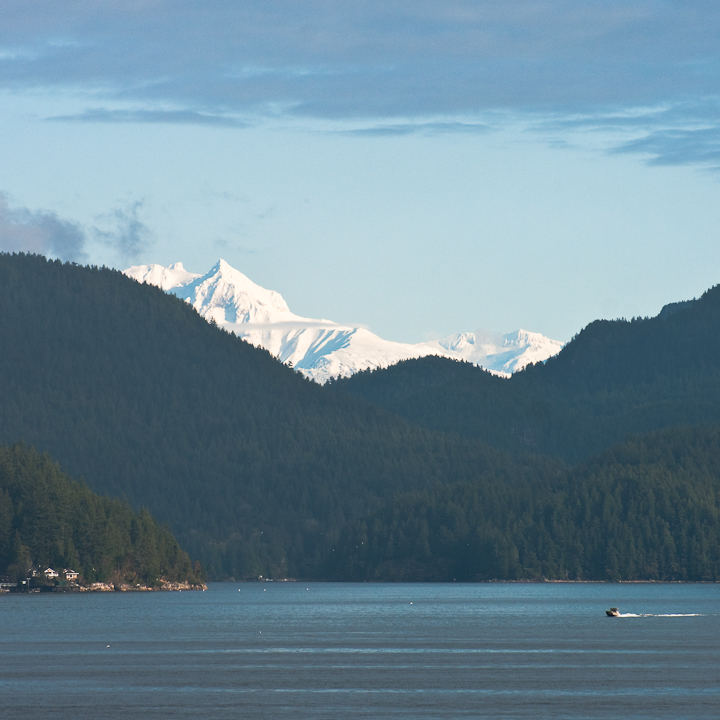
(646, 509)
(613, 379)
(47, 519)
(258, 471)
(255, 469)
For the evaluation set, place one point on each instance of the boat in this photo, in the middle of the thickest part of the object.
(612, 612)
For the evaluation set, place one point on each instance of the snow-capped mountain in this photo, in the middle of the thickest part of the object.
(322, 349)
(504, 354)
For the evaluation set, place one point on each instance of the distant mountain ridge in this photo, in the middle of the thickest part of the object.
(501, 354)
(322, 349)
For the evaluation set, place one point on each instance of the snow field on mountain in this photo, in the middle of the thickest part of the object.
(322, 349)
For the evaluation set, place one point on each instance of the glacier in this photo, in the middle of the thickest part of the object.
(322, 349)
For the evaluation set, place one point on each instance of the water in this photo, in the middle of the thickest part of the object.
(286, 650)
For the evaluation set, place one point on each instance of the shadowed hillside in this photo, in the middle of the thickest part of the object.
(255, 468)
(615, 378)
(261, 472)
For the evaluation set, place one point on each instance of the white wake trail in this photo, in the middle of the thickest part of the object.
(636, 615)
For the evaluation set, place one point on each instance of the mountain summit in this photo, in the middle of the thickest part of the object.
(322, 349)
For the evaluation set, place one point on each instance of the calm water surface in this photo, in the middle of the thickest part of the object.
(286, 650)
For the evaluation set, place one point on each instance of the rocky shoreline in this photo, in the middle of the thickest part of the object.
(165, 586)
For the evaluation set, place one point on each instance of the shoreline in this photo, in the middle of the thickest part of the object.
(180, 586)
(99, 587)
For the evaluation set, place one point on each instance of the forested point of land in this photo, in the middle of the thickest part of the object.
(427, 470)
(49, 520)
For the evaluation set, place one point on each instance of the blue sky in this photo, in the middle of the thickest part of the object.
(419, 167)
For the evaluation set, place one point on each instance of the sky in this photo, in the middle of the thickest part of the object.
(420, 168)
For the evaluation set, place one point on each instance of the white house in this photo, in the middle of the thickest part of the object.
(50, 574)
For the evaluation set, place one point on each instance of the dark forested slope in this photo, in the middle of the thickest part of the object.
(261, 472)
(646, 509)
(613, 379)
(255, 468)
(48, 520)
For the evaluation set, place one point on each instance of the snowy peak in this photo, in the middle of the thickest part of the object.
(223, 294)
(165, 278)
(503, 354)
(322, 349)
(227, 296)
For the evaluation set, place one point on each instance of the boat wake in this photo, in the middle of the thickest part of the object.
(661, 615)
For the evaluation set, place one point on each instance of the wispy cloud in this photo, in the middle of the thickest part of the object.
(43, 233)
(682, 133)
(678, 147)
(424, 128)
(172, 117)
(128, 236)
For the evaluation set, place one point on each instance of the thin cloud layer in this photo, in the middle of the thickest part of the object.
(171, 117)
(223, 63)
(429, 128)
(678, 147)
